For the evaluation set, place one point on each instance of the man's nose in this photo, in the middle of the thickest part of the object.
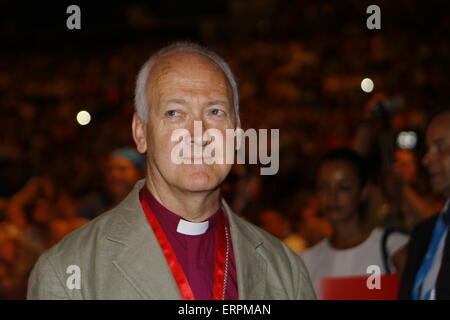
(197, 130)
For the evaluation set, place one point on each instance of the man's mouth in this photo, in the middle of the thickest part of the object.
(196, 160)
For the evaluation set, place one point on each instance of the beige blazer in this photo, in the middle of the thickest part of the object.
(117, 256)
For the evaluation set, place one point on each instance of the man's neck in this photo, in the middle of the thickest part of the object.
(191, 206)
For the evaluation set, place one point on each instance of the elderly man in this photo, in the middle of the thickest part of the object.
(427, 272)
(173, 237)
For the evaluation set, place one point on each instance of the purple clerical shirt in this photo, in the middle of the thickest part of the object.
(196, 253)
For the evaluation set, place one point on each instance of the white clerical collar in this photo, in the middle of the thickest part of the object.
(192, 228)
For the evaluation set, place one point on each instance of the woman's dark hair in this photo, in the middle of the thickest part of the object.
(353, 158)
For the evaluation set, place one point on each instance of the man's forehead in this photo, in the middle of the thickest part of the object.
(439, 129)
(185, 65)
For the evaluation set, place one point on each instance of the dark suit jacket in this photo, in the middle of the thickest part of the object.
(418, 245)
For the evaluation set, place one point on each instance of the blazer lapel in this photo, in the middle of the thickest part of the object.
(141, 260)
(251, 268)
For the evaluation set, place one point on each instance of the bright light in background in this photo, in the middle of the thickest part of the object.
(407, 139)
(83, 118)
(367, 85)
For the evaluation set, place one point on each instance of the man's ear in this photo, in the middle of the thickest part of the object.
(139, 129)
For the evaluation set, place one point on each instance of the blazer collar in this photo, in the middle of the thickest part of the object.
(142, 261)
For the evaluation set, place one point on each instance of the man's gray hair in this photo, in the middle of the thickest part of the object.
(140, 95)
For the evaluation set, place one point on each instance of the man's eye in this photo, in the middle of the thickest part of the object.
(217, 112)
(172, 113)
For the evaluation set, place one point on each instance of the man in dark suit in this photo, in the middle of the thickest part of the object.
(427, 272)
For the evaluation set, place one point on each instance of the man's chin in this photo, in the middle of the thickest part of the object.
(199, 181)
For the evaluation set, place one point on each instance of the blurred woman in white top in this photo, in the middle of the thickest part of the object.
(341, 186)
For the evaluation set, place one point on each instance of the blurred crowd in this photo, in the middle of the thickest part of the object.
(56, 175)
